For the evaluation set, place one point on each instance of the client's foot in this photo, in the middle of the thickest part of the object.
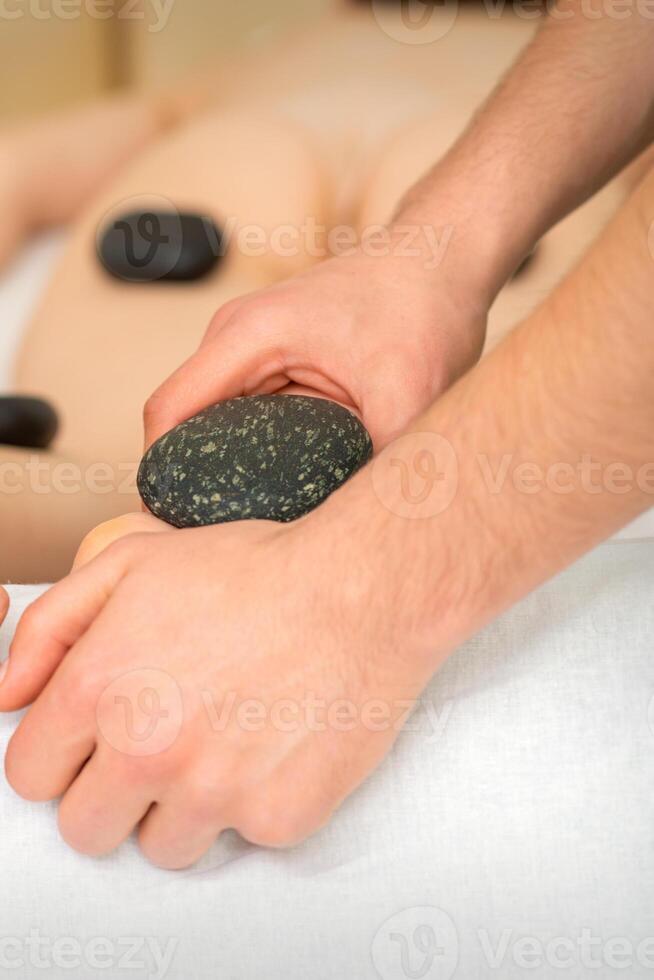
(105, 534)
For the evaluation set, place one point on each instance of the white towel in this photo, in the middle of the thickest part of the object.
(511, 825)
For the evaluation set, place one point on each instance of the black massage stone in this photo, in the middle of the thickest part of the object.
(27, 422)
(156, 246)
(266, 457)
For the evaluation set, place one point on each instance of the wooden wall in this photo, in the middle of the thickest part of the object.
(53, 52)
(199, 30)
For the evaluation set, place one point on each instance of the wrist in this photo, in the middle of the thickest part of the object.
(440, 318)
(484, 232)
(388, 582)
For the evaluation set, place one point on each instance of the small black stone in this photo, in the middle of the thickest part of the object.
(265, 457)
(155, 246)
(27, 422)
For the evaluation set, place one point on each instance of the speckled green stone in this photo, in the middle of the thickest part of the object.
(267, 457)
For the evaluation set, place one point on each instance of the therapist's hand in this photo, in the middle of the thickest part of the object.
(190, 681)
(383, 335)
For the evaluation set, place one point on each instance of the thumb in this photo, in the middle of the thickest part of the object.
(389, 403)
(54, 623)
(225, 367)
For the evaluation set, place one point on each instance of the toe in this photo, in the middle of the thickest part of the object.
(105, 534)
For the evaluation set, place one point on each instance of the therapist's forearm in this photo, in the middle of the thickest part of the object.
(574, 110)
(552, 438)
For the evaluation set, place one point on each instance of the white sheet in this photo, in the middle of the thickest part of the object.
(516, 813)
(20, 288)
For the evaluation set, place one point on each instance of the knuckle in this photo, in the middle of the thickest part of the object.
(162, 852)
(248, 323)
(155, 769)
(156, 853)
(81, 684)
(262, 314)
(210, 785)
(154, 405)
(202, 796)
(278, 827)
(222, 316)
(81, 688)
(123, 550)
(138, 771)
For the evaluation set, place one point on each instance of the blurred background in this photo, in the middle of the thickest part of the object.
(56, 51)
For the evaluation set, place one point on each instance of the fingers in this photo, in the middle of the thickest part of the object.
(56, 621)
(64, 726)
(52, 742)
(234, 361)
(176, 834)
(104, 804)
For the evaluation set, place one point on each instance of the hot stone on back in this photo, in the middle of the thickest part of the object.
(155, 246)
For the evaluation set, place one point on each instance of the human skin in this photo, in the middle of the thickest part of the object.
(357, 604)
(573, 111)
(100, 538)
(51, 168)
(97, 348)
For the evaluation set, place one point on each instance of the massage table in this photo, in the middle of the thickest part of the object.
(509, 832)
